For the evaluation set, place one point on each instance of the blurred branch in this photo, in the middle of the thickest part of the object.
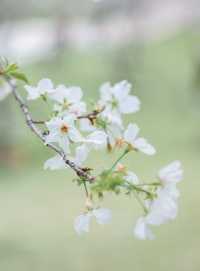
(80, 172)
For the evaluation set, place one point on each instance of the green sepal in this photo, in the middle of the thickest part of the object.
(108, 183)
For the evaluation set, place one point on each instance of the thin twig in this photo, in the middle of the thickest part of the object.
(39, 121)
(92, 115)
(31, 124)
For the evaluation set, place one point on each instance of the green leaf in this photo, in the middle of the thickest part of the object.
(11, 68)
(18, 75)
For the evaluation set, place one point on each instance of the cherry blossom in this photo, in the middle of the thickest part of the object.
(68, 100)
(63, 131)
(82, 222)
(118, 97)
(44, 87)
(171, 173)
(163, 208)
(137, 143)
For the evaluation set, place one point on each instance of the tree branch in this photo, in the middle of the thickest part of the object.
(80, 172)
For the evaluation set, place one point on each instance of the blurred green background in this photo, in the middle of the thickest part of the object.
(37, 207)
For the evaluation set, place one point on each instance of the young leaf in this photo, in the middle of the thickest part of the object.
(18, 75)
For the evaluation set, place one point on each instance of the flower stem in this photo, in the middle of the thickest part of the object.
(149, 184)
(86, 190)
(140, 201)
(117, 161)
(139, 189)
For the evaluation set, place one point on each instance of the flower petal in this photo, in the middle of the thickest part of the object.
(82, 223)
(52, 137)
(141, 230)
(172, 172)
(142, 145)
(162, 209)
(75, 94)
(129, 105)
(81, 154)
(61, 94)
(103, 216)
(78, 108)
(33, 93)
(86, 126)
(131, 133)
(131, 177)
(105, 92)
(75, 135)
(55, 163)
(45, 85)
(97, 139)
(69, 120)
(121, 90)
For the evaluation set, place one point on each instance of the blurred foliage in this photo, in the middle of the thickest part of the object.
(67, 8)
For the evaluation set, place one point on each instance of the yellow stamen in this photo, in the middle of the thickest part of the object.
(64, 128)
(119, 142)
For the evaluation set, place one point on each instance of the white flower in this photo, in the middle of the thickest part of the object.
(69, 95)
(142, 231)
(162, 209)
(44, 87)
(131, 177)
(118, 97)
(111, 117)
(69, 100)
(82, 222)
(55, 163)
(62, 131)
(5, 90)
(171, 173)
(95, 140)
(171, 190)
(138, 143)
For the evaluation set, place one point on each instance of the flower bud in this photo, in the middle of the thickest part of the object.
(89, 203)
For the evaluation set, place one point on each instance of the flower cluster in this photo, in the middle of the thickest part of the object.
(73, 130)
(103, 128)
(163, 207)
